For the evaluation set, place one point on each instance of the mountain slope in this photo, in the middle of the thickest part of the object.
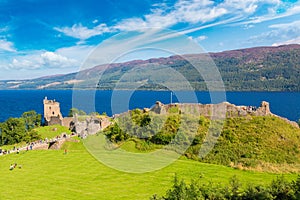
(253, 69)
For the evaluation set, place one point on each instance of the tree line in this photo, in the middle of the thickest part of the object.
(279, 189)
(16, 130)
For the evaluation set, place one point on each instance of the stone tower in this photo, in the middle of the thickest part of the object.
(52, 114)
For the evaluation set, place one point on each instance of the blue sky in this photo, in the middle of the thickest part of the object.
(44, 37)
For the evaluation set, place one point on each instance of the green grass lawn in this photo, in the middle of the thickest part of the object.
(50, 174)
(51, 131)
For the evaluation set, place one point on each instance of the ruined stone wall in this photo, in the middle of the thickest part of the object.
(221, 110)
(67, 122)
(53, 121)
(226, 109)
(90, 125)
(105, 122)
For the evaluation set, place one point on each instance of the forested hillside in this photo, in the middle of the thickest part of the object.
(253, 69)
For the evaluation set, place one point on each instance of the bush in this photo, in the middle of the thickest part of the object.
(279, 189)
(162, 138)
(115, 133)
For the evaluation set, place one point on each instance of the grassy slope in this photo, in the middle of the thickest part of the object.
(254, 141)
(52, 131)
(77, 175)
(265, 143)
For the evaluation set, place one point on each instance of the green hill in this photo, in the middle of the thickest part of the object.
(264, 143)
(260, 143)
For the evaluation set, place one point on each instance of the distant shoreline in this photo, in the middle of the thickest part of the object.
(153, 90)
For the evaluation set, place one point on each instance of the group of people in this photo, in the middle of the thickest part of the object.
(30, 147)
(13, 166)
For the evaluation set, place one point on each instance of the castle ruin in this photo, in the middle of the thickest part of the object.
(209, 110)
(79, 124)
(52, 114)
(214, 110)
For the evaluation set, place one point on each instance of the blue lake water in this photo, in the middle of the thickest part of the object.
(14, 102)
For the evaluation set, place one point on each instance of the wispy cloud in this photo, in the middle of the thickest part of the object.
(284, 33)
(201, 13)
(7, 46)
(190, 12)
(82, 32)
(275, 13)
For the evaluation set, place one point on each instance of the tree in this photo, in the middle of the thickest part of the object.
(81, 112)
(13, 131)
(281, 189)
(32, 119)
(74, 111)
(115, 134)
(94, 114)
(32, 136)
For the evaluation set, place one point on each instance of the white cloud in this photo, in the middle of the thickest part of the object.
(248, 26)
(273, 12)
(199, 38)
(289, 33)
(284, 33)
(37, 60)
(25, 62)
(131, 24)
(29, 64)
(81, 32)
(193, 12)
(285, 26)
(56, 60)
(200, 12)
(246, 6)
(6, 46)
(292, 41)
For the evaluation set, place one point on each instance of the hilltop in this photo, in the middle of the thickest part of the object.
(247, 137)
(252, 69)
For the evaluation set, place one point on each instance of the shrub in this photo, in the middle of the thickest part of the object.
(279, 189)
